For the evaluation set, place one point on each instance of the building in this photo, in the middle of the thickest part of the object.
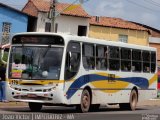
(72, 19)
(11, 21)
(154, 39)
(116, 29)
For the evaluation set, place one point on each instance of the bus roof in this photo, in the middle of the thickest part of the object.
(69, 37)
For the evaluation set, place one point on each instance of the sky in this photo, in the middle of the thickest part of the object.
(142, 11)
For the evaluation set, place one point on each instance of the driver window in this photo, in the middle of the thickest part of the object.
(72, 60)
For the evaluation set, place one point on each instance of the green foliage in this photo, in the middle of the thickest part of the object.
(5, 57)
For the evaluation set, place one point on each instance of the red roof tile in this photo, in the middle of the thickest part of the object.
(30, 9)
(74, 10)
(44, 6)
(116, 22)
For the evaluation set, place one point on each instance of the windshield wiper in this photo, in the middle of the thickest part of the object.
(49, 46)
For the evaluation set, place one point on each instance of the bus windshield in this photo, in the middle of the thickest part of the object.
(34, 62)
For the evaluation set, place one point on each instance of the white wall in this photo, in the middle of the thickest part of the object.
(66, 24)
(42, 19)
(154, 40)
(69, 24)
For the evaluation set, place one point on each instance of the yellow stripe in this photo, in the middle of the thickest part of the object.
(117, 85)
(102, 74)
(104, 84)
(97, 84)
(105, 74)
(42, 82)
(153, 79)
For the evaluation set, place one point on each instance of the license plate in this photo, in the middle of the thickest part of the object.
(32, 95)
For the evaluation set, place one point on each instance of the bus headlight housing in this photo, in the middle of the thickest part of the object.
(13, 82)
(50, 89)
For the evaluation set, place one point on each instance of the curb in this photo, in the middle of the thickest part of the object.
(12, 104)
(158, 99)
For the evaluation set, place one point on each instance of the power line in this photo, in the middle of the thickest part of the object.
(153, 2)
(141, 5)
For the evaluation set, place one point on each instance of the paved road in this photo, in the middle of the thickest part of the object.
(149, 110)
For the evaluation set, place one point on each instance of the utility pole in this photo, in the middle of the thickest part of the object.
(52, 13)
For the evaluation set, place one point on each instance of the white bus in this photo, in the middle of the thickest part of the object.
(59, 69)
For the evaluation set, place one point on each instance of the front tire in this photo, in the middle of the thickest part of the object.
(35, 107)
(85, 102)
(132, 102)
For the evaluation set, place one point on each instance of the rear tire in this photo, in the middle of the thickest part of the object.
(132, 102)
(35, 107)
(85, 102)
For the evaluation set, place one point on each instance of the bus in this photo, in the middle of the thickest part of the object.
(158, 85)
(59, 69)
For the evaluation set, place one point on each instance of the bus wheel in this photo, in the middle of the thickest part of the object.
(132, 102)
(85, 102)
(35, 107)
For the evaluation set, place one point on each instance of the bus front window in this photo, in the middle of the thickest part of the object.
(35, 62)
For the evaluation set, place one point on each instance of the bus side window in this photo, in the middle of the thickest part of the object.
(101, 57)
(136, 61)
(125, 59)
(88, 56)
(72, 60)
(153, 62)
(146, 61)
(114, 58)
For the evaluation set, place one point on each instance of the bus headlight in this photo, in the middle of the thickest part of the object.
(50, 89)
(53, 88)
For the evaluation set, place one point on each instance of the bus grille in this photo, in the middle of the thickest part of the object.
(25, 97)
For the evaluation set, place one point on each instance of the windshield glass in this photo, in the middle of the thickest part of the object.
(35, 62)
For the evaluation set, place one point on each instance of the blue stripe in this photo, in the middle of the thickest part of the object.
(78, 83)
(138, 81)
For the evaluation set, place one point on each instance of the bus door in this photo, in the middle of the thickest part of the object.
(72, 64)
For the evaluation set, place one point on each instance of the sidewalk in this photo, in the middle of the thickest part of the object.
(152, 102)
(12, 104)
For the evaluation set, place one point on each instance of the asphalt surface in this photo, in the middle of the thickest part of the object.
(148, 110)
